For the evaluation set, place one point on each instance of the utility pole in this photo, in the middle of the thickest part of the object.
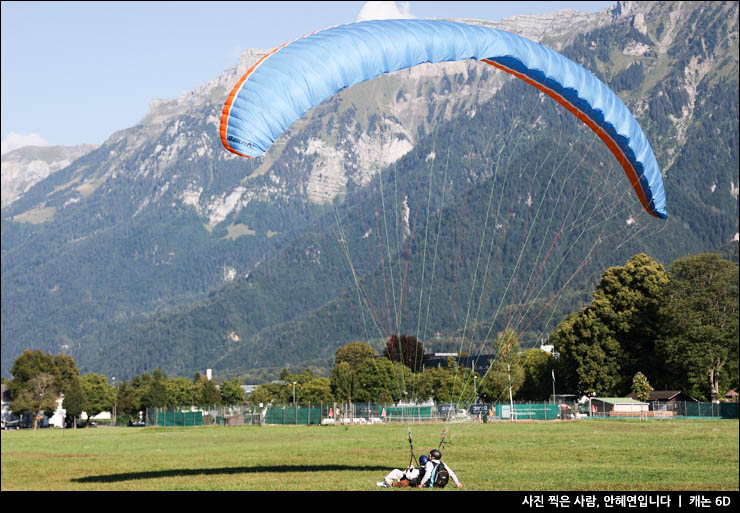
(553, 385)
(295, 410)
(511, 397)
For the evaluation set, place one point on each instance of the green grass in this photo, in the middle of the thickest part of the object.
(585, 455)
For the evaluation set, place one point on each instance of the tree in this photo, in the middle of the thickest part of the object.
(99, 394)
(538, 368)
(29, 365)
(343, 381)
(75, 401)
(268, 393)
(318, 390)
(67, 372)
(632, 296)
(451, 384)
(126, 401)
(506, 374)
(700, 323)
(300, 378)
(232, 392)
(380, 380)
(206, 392)
(156, 395)
(439, 382)
(406, 349)
(139, 390)
(180, 392)
(614, 337)
(589, 355)
(640, 387)
(64, 375)
(39, 395)
(354, 354)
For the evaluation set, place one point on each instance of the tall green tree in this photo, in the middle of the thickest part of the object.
(641, 387)
(27, 366)
(206, 392)
(100, 395)
(440, 383)
(538, 366)
(38, 395)
(354, 354)
(700, 323)
(231, 392)
(67, 372)
(633, 294)
(380, 380)
(180, 392)
(590, 356)
(506, 374)
(343, 381)
(348, 362)
(126, 402)
(607, 342)
(269, 393)
(451, 384)
(318, 390)
(139, 391)
(156, 396)
(75, 401)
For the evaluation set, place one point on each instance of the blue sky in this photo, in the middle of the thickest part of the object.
(75, 72)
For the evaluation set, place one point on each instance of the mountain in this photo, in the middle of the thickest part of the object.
(23, 167)
(160, 249)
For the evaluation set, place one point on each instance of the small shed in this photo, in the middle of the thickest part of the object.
(618, 407)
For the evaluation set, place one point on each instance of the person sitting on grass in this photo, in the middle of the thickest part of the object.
(436, 473)
(409, 477)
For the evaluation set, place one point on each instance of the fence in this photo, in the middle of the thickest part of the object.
(694, 409)
(371, 413)
(669, 409)
(235, 415)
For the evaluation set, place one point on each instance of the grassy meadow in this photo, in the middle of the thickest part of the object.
(590, 455)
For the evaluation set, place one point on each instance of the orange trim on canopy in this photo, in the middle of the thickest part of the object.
(606, 138)
(226, 111)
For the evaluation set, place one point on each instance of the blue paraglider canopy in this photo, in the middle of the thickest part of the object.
(294, 78)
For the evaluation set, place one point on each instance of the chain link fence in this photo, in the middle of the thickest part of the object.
(371, 413)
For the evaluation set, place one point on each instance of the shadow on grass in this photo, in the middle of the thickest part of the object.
(184, 472)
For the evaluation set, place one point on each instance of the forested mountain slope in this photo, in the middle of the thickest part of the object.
(436, 201)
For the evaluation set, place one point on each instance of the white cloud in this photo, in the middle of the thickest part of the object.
(15, 141)
(385, 11)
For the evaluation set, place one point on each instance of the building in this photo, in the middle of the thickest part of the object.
(248, 389)
(479, 363)
(618, 407)
(9, 421)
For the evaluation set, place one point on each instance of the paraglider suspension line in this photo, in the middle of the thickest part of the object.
(411, 447)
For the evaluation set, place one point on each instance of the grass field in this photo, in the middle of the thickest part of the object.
(591, 455)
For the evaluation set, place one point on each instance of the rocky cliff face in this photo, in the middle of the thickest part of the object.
(24, 167)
